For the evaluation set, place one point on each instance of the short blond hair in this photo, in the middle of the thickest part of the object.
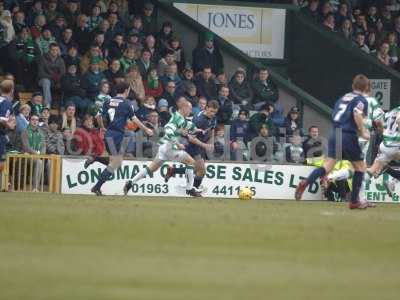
(6, 86)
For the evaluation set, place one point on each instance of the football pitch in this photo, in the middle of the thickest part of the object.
(111, 248)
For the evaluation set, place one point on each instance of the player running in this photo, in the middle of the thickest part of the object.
(7, 121)
(116, 111)
(200, 143)
(171, 149)
(348, 119)
(389, 149)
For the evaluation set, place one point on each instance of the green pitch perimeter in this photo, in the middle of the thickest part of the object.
(84, 248)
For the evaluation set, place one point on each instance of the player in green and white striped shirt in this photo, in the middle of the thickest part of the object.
(373, 120)
(171, 149)
(389, 149)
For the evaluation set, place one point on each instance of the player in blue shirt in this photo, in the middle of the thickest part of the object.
(115, 112)
(199, 143)
(348, 122)
(7, 120)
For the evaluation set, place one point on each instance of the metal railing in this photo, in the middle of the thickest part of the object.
(31, 173)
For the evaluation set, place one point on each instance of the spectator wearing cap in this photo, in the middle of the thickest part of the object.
(175, 45)
(205, 84)
(167, 60)
(51, 11)
(94, 18)
(92, 78)
(36, 103)
(260, 118)
(66, 41)
(114, 70)
(117, 47)
(144, 63)
(72, 12)
(36, 29)
(87, 139)
(94, 54)
(207, 55)
(135, 82)
(240, 89)
(23, 53)
(152, 85)
(163, 112)
(292, 122)
(82, 35)
(45, 39)
(51, 68)
(239, 133)
(128, 59)
(54, 138)
(71, 86)
(225, 110)
(163, 36)
(171, 74)
(58, 26)
(22, 119)
(265, 90)
(149, 20)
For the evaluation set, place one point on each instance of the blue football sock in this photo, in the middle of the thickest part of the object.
(317, 173)
(104, 176)
(357, 182)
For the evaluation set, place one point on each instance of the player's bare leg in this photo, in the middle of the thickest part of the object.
(190, 166)
(114, 163)
(317, 173)
(153, 167)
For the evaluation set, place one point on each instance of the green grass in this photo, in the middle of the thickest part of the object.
(83, 248)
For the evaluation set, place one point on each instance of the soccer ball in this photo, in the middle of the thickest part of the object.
(245, 194)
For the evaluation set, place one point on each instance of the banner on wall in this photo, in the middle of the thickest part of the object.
(223, 180)
(257, 31)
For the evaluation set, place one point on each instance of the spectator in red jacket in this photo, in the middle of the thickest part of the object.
(152, 85)
(89, 140)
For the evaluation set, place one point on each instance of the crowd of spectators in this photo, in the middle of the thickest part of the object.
(372, 25)
(71, 53)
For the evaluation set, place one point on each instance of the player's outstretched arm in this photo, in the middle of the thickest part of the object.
(148, 131)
